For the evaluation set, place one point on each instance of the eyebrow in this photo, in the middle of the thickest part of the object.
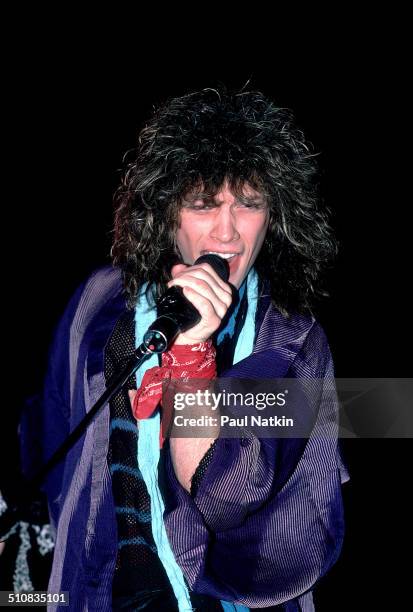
(207, 197)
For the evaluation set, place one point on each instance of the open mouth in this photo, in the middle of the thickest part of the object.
(228, 256)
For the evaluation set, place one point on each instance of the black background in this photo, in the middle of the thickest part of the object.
(77, 93)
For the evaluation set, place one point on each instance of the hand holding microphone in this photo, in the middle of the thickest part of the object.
(208, 292)
(193, 307)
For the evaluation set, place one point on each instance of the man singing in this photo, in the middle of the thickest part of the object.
(211, 523)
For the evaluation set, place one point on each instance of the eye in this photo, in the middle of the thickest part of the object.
(205, 207)
(252, 205)
(248, 205)
(202, 206)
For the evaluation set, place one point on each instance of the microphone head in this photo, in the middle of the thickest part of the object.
(219, 265)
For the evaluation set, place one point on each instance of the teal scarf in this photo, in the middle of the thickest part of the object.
(148, 444)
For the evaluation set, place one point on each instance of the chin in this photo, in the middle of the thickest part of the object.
(237, 282)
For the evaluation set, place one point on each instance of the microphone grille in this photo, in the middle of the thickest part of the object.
(219, 264)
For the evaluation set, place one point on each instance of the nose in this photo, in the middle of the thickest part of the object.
(224, 227)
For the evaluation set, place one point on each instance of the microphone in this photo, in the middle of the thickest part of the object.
(176, 314)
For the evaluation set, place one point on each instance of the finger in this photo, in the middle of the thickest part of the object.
(201, 281)
(203, 288)
(206, 308)
(222, 289)
(211, 278)
(177, 268)
(208, 268)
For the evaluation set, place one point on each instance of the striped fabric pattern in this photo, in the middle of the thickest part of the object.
(284, 515)
(274, 505)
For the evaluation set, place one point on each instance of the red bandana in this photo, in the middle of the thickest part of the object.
(184, 361)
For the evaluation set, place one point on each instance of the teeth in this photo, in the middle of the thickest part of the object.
(223, 255)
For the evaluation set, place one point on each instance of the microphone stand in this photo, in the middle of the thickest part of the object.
(27, 504)
(177, 314)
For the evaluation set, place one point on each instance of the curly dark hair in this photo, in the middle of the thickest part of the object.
(204, 139)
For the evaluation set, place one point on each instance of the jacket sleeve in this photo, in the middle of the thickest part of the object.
(45, 421)
(267, 518)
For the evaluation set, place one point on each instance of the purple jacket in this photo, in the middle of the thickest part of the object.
(267, 519)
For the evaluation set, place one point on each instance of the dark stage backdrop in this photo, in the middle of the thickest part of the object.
(73, 114)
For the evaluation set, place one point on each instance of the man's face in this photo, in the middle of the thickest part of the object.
(224, 225)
